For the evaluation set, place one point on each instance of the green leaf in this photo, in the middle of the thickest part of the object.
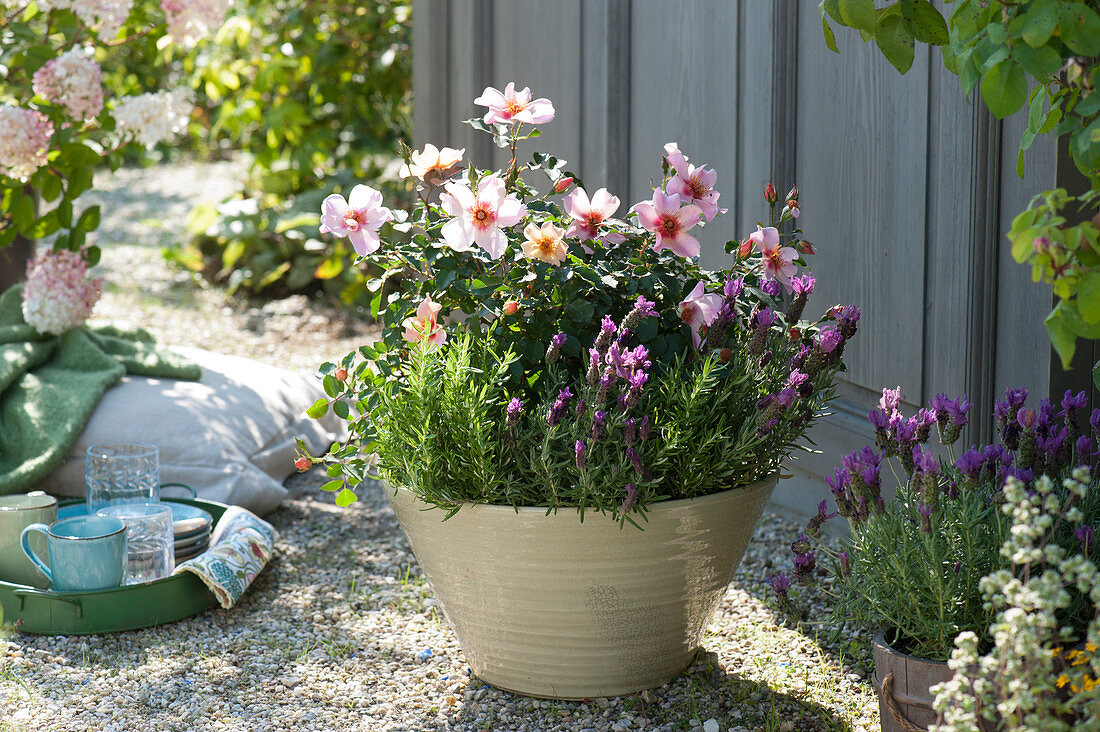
(1096, 375)
(1061, 337)
(830, 39)
(925, 22)
(319, 409)
(340, 409)
(345, 498)
(1042, 19)
(859, 14)
(1088, 296)
(333, 485)
(894, 42)
(1039, 62)
(65, 213)
(1079, 28)
(331, 385)
(51, 188)
(22, 214)
(1004, 89)
(329, 268)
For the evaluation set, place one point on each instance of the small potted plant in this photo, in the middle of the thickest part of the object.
(913, 568)
(597, 419)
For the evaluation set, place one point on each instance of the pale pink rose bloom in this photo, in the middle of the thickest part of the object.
(511, 106)
(670, 222)
(478, 218)
(358, 218)
(694, 185)
(778, 261)
(589, 214)
(545, 244)
(425, 325)
(432, 158)
(699, 309)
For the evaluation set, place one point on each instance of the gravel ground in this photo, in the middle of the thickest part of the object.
(340, 631)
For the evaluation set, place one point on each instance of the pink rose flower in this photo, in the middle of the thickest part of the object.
(692, 184)
(478, 218)
(588, 214)
(432, 160)
(778, 261)
(425, 325)
(357, 218)
(670, 222)
(699, 309)
(511, 106)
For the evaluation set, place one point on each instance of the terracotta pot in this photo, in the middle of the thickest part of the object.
(550, 606)
(902, 682)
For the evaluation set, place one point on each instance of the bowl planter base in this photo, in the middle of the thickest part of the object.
(550, 606)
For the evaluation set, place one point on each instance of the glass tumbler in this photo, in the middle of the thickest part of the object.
(150, 541)
(121, 473)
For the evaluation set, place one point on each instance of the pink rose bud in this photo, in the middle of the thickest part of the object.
(563, 184)
(1041, 245)
(303, 463)
(745, 249)
(511, 307)
(805, 247)
(792, 195)
(769, 193)
(341, 373)
(725, 355)
(795, 334)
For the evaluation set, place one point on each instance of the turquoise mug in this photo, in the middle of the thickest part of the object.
(86, 552)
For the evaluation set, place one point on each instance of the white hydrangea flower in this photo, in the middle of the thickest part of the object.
(153, 117)
(189, 21)
(103, 16)
(58, 296)
(74, 81)
(24, 141)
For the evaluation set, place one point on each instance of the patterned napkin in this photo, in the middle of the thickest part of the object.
(240, 545)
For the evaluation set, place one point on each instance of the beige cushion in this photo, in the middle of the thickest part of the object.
(229, 435)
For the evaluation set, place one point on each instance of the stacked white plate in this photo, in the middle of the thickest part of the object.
(191, 526)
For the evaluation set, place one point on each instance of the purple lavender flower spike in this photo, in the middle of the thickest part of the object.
(732, 289)
(1083, 448)
(1094, 420)
(599, 425)
(635, 461)
(781, 584)
(845, 563)
(1016, 397)
(803, 285)
(891, 400)
(630, 432)
(644, 429)
(796, 378)
(578, 450)
(631, 495)
(1073, 403)
(607, 332)
(925, 518)
(645, 307)
(819, 518)
(1084, 535)
(828, 339)
(553, 351)
(772, 288)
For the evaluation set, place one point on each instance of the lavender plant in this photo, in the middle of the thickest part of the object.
(913, 566)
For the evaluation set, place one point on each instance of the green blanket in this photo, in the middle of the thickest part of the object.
(50, 385)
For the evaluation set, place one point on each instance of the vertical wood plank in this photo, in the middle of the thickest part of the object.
(757, 89)
(605, 122)
(862, 162)
(538, 45)
(684, 88)
(431, 64)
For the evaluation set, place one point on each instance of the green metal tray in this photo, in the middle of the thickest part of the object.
(130, 607)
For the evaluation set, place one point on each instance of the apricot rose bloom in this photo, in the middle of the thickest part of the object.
(511, 106)
(357, 218)
(431, 159)
(545, 244)
(425, 326)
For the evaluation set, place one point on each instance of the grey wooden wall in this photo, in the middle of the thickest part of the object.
(907, 188)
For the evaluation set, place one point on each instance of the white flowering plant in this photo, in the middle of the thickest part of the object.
(58, 122)
(1039, 672)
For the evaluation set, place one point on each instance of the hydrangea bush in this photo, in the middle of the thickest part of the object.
(554, 348)
(914, 566)
(58, 122)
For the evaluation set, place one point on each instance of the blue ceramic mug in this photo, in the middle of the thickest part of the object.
(86, 552)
